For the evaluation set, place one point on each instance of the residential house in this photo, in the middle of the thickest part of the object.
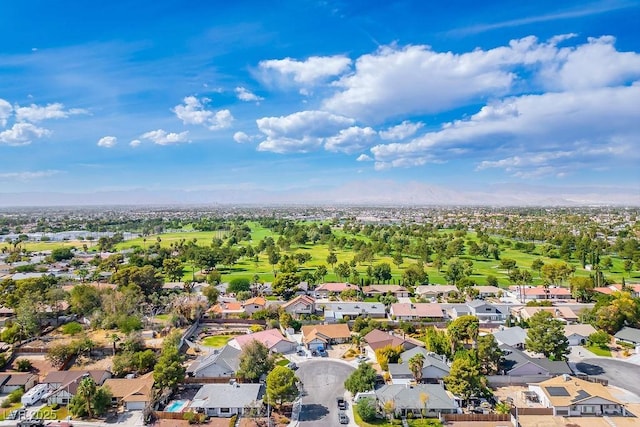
(628, 335)
(578, 334)
(225, 310)
(131, 393)
(254, 304)
(378, 339)
(417, 311)
(486, 312)
(335, 311)
(10, 381)
(536, 293)
(326, 289)
(432, 398)
(322, 336)
(513, 337)
(486, 291)
(633, 289)
(6, 313)
(218, 363)
(564, 314)
(65, 383)
(397, 291)
(517, 363)
(435, 291)
(573, 397)
(300, 305)
(271, 338)
(226, 400)
(434, 367)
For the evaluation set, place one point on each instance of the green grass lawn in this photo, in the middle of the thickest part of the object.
(216, 340)
(282, 362)
(48, 413)
(598, 351)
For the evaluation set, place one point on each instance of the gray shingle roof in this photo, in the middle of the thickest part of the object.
(406, 397)
(227, 395)
(511, 336)
(516, 358)
(629, 334)
(228, 358)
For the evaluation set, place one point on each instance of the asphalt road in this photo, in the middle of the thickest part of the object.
(620, 374)
(323, 381)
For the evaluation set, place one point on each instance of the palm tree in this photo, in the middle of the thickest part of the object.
(87, 389)
(416, 363)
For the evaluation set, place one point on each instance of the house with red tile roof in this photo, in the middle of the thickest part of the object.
(317, 336)
(254, 304)
(417, 311)
(302, 304)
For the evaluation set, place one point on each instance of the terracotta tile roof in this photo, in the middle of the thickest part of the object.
(324, 332)
(417, 309)
(304, 299)
(131, 390)
(336, 287)
(256, 301)
(384, 288)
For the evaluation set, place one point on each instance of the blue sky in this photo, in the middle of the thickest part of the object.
(315, 95)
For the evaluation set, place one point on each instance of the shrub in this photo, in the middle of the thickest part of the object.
(129, 324)
(5, 403)
(15, 395)
(232, 420)
(55, 406)
(366, 409)
(24, 365)
(72, 328)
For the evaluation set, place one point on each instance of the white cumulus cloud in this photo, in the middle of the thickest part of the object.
(402, 131)
(135, 143)
(107, 141)
(300, 132)
(162, 137)
(310, 71)
(36, 113)
(5, 112)
(244, 94)
(22, 134)
(193, 112)
(364, 158)
(540, 133)
(351, 140)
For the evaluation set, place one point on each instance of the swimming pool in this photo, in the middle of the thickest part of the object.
(176, 406)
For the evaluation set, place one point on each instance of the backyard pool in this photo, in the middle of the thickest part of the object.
(176, 406)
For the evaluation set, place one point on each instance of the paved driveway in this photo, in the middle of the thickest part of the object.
(322, 381)
(620, 374)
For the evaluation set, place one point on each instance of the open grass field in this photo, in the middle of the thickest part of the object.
(483, 267)
(216, 340)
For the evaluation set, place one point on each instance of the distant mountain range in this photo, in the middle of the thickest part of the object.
(379, 192)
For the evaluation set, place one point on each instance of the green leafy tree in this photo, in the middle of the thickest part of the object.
(212, 294)
(173, 269)
(599, 338)
(489, 355)
(90, 400)
(388, 354)
(169, 371)
(366, 409)
(464, 379)
(332, 259)
(285, 284)
(147, 278)
(455, 271)
(463, 329)
(546, 336)
(361, 380)
(281, 386)
(255, 361)
(382, 272)
(581, 288)
(239, 284)
(415, 274)
(84, 299)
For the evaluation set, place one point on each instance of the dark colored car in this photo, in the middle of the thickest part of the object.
(342, 418)
(323, 353)
(342, 404)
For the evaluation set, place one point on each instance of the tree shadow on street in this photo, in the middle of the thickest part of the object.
(313, 412)
(589, 369)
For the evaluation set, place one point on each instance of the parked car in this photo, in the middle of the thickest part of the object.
(342, 418)
(314, 353)
(362, 358)
(342, 404)
(301, 353)
(292, 366)
(323, 353)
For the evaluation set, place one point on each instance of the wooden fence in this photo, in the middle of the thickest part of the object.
(476, 417)
(532, 411)
(163, 415)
